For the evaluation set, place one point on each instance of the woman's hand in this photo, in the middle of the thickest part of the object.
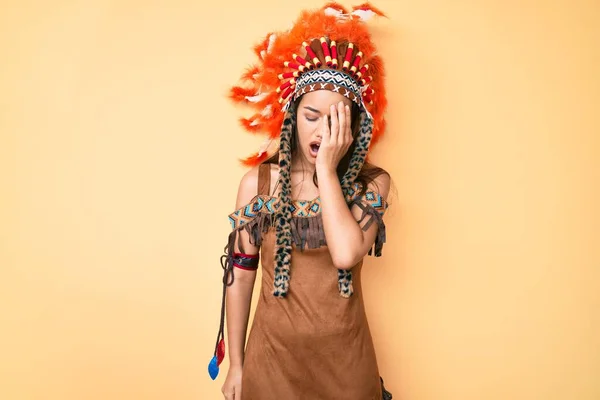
(335, 141)
(232, 388)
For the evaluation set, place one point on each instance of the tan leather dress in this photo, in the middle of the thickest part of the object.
(313, 344)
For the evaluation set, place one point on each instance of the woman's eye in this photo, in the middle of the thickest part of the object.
(312, 119)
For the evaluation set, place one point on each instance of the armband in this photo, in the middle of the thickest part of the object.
(248, 262)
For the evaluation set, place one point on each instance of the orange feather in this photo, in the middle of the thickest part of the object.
(238, 93)
(269, 100)
(368, 7)
(262, 45)
(247, 123)
(269, 80)
(254, 159)
(336, 6)
(250, 72)
(273, 126)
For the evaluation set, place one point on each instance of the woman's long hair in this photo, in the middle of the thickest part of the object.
(368, 173)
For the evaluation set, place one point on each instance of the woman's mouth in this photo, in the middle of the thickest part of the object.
(314, 148)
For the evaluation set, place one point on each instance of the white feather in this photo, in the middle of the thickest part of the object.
(333, 12)
(256, 98)
(271, 42)
(265, 145)
(254, 123)
(267, 111)
(364, 15)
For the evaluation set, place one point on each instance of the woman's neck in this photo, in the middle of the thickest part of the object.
(301, 164)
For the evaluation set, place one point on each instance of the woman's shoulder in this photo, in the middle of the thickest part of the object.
(377, 178)
(247, 187)
(249, 183)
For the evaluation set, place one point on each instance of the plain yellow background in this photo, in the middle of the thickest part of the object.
(118, 167)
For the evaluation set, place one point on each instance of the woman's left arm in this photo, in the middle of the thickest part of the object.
(347, 241)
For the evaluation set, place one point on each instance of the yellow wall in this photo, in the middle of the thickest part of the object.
(117, 172)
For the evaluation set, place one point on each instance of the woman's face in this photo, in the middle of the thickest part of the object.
(312, 108)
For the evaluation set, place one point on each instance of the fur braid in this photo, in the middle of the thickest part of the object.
(357, 160)
(283, 219)
(345, 283)
(356, 163)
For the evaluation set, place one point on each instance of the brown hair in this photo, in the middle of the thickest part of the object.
(367, 174)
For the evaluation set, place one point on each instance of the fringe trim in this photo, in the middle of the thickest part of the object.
(374, 217)
(308, 232)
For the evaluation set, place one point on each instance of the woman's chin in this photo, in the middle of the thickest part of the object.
(311, 157)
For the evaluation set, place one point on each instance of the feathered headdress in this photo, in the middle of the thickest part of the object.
(331, 38)
(326, 49)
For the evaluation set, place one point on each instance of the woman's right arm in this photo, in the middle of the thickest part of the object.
(239, 296)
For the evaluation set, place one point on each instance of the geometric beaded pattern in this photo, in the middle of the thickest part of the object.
(328, 75)
(376, 201)
(264, 204)
(306, 209)
(335, 81)
(259, 204)
(332, 87)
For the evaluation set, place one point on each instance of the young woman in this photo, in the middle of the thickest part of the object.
(311, 213)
